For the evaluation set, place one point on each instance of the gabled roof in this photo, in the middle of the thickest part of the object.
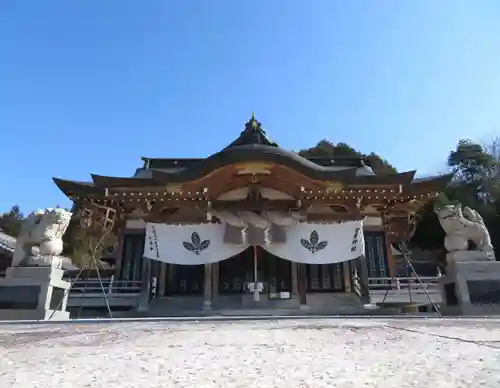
(255, 137)
(7, 243)
(252, 146)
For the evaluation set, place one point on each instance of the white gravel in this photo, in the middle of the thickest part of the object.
(300, 353)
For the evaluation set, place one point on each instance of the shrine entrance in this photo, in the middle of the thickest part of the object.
(184, 280)
(274, 272)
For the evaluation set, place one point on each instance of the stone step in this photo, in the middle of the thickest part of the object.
(333, 304)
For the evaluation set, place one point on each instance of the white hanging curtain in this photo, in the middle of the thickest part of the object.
(188, 244)
(204, 243)
(321, 243)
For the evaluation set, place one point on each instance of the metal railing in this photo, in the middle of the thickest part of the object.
(398, 283)
(117, 294)
(404, 290)
(385, 289)
(93, 288)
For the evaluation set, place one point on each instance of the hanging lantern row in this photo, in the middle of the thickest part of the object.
(392, 201)
(204, 192)
(139, 200)
(350, 191)
(410, 198)
(309, 194)
(157, 193)
(395, 198)
(322, 198)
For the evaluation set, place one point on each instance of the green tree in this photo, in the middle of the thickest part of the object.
(428, 233)
(473, 167)
(11, 221)
(471, 161)
(88, 249)
(83, 245)
(492, 183)
(380, 166)
(326, 149)
(475, 185)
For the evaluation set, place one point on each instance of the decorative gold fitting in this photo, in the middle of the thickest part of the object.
(333, 187)
(254, 169)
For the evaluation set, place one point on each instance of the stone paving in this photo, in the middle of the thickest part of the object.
(283, 353)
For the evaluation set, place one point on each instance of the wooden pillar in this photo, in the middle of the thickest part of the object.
(346, 267)
(390, 258)
(215, 280)
(170, 278)
(207, 302)
(119, 254)
(145, 280)
(162, 279)
(389, 226)
(295, 285)
(362, 268)
(301, 283)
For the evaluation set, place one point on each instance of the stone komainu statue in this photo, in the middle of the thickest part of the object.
(460, 228)
(45, 229)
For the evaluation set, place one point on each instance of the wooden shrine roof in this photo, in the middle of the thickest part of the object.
(183, 163)
(253, 159)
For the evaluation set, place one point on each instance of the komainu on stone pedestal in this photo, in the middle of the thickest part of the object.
(45, 229)
(462, 227)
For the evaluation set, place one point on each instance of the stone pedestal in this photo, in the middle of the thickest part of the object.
(471, 288)
(34, 293)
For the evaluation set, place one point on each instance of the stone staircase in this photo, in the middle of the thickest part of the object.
(243, 305)
(337, 303)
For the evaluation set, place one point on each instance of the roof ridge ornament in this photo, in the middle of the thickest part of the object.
(253, 134)
(255, 124)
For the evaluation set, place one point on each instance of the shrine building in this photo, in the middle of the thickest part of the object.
(255, 225)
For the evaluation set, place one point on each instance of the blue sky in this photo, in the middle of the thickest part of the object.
(91, 86)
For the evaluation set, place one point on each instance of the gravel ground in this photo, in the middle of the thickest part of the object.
(287, 353)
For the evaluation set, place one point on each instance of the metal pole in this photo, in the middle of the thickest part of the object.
(406, 254)
(102, 287)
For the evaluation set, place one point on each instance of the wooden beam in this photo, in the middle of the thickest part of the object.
(239, 181)
(347, 201)
(336, 217)
(263, 204)
(296, 179)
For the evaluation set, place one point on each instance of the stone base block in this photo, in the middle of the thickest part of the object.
(33, 315)
(33, 293)
(471, 288)
(468, 257)
(471, 310)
